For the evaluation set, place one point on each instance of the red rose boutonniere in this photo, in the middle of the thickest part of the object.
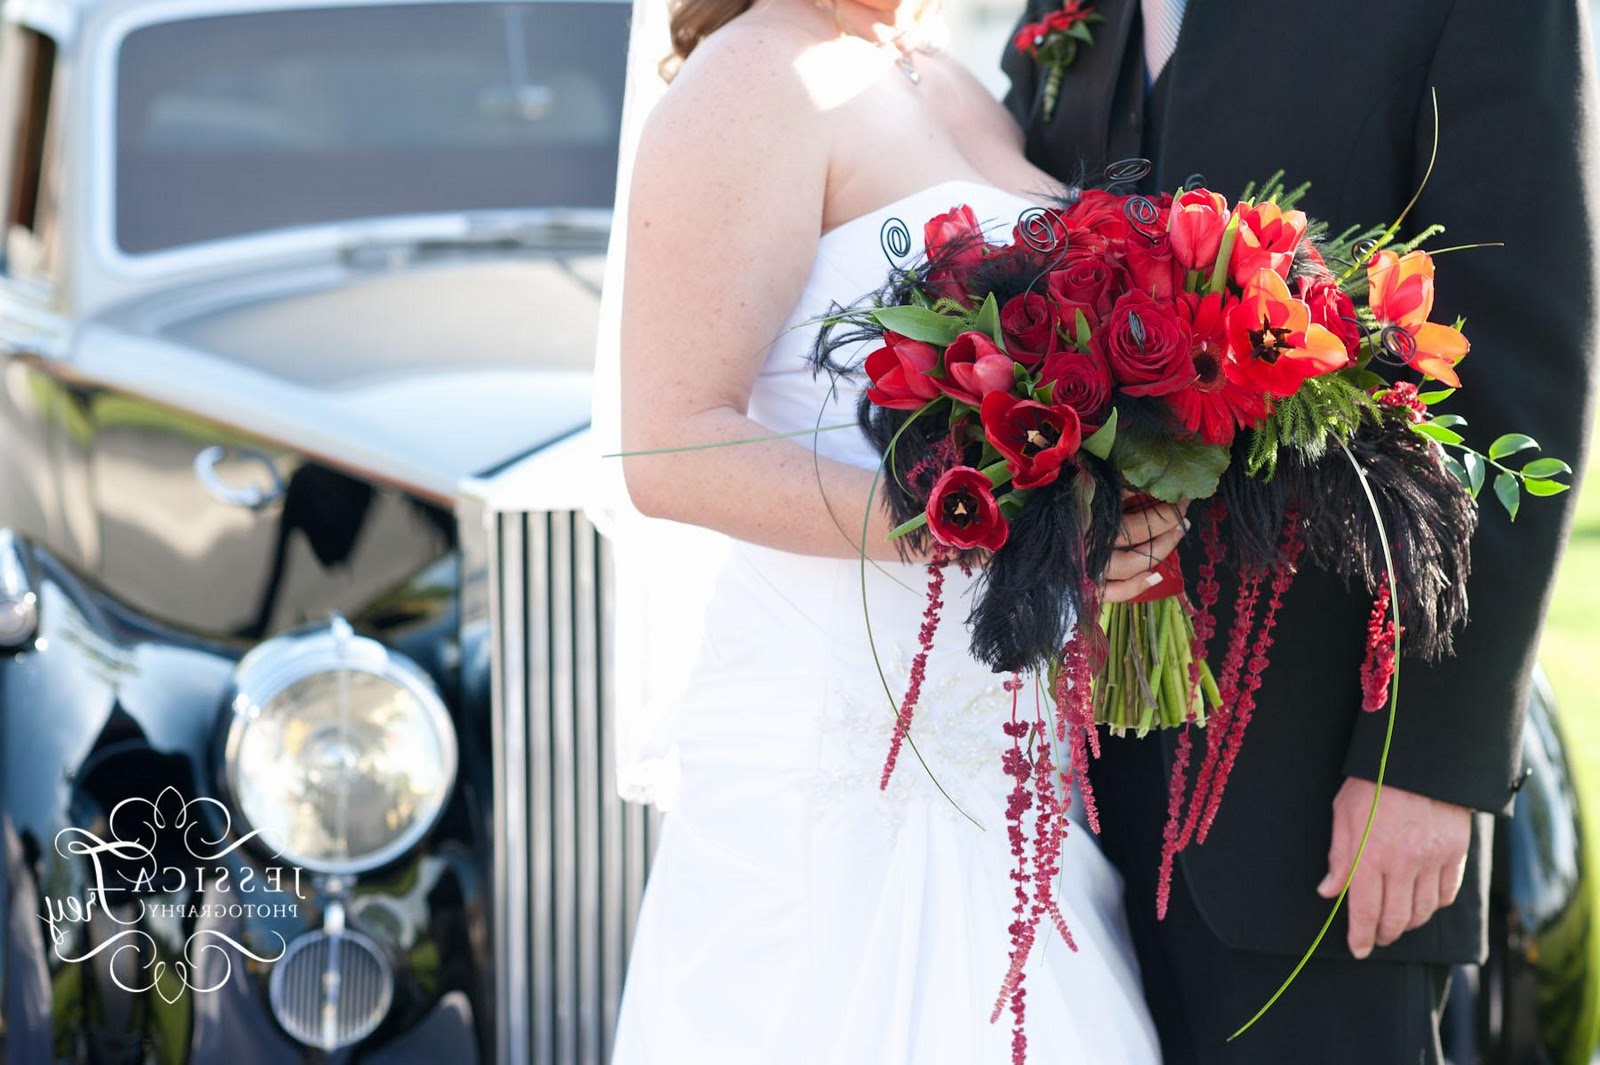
(1053, 41)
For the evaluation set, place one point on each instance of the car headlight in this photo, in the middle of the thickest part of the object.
(339, 753)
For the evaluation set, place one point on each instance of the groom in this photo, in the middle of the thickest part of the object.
(1339, 95)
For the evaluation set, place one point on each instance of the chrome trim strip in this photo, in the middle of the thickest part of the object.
(587, 791)
(541, 816)
(509, 744)
(614, 856)
(570, 856)
(563, 674)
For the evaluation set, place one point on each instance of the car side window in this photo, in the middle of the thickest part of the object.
(27, 187)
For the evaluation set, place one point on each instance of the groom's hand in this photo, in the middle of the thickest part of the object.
(1412, 867)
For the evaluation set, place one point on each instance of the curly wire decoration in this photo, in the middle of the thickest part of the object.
(1193, 182)
(1398, 343)
(1144, 216)
(895, 240)
(1126, 171)
(1042, 229)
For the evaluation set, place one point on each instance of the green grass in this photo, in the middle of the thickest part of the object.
(1570, 651)
(1570, 654)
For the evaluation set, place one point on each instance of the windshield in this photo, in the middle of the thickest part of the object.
(240, 123)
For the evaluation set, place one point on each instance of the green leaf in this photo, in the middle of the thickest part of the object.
(1439, 433)
(1219, 273)
(1545, 488)
(1505, 487)
(1045, 394)
(1543, 469)
(1100, 443)
(915, 523)
(1081, 32)
(988, 320)
(1459, 472)
(1430, 398)
(998, 473)
(1366, 380)
(1171, 470)
(1477, 470)
(919, 323)
(1081, 325)
(1447, 421)
(1510, 444)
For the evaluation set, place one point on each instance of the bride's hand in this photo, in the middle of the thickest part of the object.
(1146, 538)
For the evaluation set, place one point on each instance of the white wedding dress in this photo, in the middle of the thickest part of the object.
(796, 913)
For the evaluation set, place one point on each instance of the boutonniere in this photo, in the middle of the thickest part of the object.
(1053, 41)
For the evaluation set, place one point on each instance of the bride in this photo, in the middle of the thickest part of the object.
(795, 911)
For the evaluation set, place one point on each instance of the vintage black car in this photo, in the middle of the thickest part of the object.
(304, 727)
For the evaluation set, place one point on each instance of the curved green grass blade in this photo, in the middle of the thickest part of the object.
(1383, 759)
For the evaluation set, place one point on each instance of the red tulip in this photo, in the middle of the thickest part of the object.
(1034, 438)
(901, 373)
(974, 367)
(1196, 224)
(955, 247)
(962, 512)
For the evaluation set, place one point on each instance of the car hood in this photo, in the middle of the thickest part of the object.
(423, 374)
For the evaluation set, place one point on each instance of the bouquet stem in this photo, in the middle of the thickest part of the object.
(1151, 677)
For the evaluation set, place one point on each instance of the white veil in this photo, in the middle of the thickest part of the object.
(664, 570)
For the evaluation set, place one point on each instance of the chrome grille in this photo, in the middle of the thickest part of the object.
(331, 989)
(570, 856)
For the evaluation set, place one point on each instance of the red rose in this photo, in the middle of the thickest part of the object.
(955, 247)
(1091, 284)
(1029, 324)
(1333, 310)
(1146, 345)
(1195, 228)
(1035, 439)
(901, 373)
(1152, 268)
(1267, 239)
(1082, 381)
(1101, 212)
(974, 367)
(962, 511)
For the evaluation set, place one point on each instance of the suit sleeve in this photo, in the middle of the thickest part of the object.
(1515, 164)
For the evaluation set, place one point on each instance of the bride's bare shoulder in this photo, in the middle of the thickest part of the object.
(742, 102)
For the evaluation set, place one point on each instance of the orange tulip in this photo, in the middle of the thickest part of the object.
(1268, 237)
(1400, 292)
(1277, 342)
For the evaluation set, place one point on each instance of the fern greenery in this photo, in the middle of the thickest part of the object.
(1320, 410)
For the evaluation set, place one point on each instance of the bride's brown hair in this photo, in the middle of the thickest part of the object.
(692, 21)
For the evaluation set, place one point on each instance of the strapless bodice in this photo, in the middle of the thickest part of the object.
(850, 265)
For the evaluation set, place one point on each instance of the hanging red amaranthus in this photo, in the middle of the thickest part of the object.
(1377, 670)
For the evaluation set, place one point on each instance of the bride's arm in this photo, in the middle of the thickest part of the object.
(726, 207)
(725, 210)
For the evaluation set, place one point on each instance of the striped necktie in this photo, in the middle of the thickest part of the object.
(1162, 20)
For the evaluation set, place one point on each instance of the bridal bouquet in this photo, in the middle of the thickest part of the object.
(1120, 353)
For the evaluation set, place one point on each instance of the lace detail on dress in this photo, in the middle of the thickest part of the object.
(956, 729)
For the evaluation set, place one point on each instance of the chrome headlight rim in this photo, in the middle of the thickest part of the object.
(270, 668)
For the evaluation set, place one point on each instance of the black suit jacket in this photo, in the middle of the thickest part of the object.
(1339, 95)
